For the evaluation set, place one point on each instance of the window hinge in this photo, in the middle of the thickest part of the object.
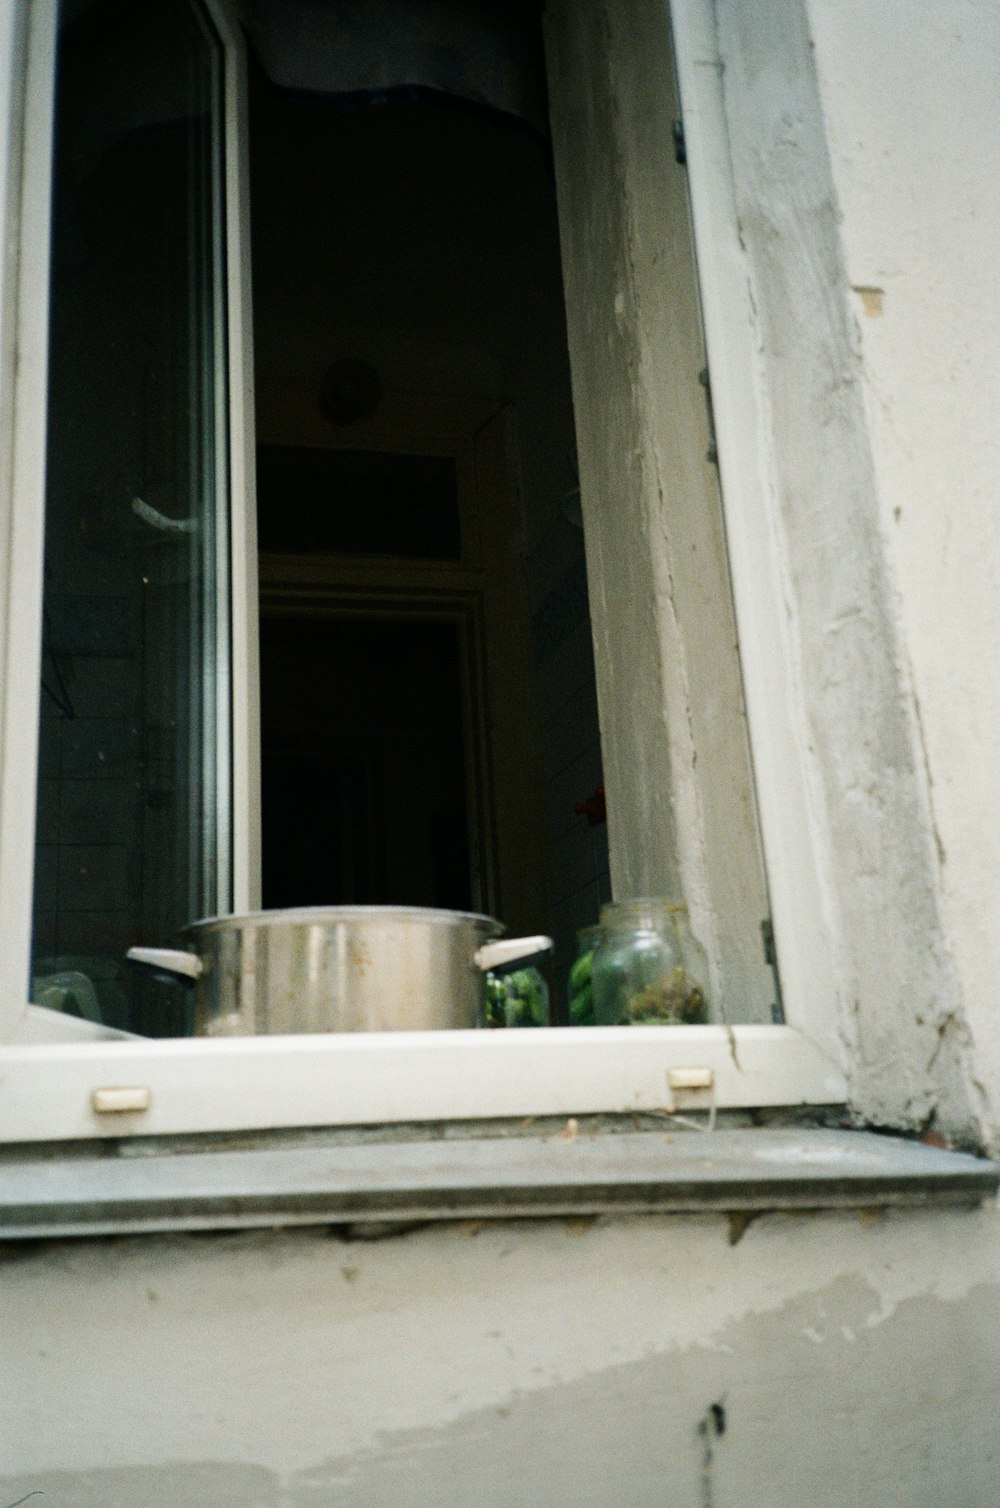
(767, 932)
(712, 453)
(771, 959)
(680, 143)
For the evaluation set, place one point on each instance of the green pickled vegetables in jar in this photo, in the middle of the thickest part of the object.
(648, 969)
(581, 995)
(520, 998)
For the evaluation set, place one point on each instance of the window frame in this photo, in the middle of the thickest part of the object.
(241, 1084)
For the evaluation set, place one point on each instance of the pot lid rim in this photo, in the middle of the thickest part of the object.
(329, 915)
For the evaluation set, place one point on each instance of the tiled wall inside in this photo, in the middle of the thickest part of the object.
(87, 884)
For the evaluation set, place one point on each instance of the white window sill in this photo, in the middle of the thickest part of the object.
(413, 1174)
(188, 1087)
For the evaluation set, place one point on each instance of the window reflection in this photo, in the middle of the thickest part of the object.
(133, 801)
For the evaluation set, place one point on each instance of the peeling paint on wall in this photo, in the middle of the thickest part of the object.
(908, 98)
(825, 1360)
(872, 299)
(899, 983)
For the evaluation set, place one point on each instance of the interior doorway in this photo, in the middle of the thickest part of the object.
(368, 761)
(363, 739)
(416, 443)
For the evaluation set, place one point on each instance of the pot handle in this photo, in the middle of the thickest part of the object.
(170, 962)
(511, 953)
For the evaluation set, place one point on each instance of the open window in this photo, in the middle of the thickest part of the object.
(134, 824)
(432, 405)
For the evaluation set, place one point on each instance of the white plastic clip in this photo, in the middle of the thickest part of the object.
(120, 1100)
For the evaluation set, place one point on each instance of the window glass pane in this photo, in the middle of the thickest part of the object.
(132, 837)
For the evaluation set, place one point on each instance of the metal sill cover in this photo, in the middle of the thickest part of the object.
(568, 1171)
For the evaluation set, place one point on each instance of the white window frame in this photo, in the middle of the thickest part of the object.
(47, 1088)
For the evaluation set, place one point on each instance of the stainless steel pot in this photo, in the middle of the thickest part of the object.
(340, 968)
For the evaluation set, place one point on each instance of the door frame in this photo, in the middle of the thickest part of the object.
(481, 439)
(394, 602)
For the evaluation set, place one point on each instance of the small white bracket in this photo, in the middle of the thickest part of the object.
(690, 1078)
(120, 1100)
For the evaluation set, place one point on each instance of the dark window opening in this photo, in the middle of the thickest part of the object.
(362, 741)
(357, 502)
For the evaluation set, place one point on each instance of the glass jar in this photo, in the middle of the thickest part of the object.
(581, 999)
(648, 969)
(520, 998)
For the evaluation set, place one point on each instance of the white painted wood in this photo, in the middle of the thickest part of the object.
(41, 1024)
(27, 56)
(795, 833)
(243, 603)
(370, 1078)
(682, 817)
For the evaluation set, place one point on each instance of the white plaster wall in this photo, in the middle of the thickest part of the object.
(562, 1363)
(911, 98)
(903, 995)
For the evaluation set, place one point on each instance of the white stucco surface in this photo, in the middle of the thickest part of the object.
(910, 99)
(510, 1363)
(902, 1004)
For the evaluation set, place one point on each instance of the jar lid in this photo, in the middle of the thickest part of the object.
(651, 910)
